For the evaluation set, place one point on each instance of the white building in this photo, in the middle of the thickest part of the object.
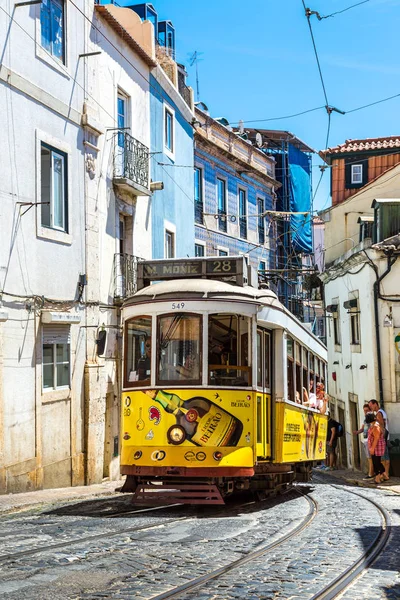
(42, 246)
(363, 309)
(75, 200)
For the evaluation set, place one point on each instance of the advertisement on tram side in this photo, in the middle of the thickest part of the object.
(185, 423)
(300, 434)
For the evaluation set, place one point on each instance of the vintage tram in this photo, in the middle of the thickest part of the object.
(214, 375)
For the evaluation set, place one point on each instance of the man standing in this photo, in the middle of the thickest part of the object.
(331, 443)
(382, 419)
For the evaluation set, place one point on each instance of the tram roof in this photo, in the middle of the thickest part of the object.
(205, 288)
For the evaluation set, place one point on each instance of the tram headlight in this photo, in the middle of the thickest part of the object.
(176, 435)
(137, 455)
(217, 455)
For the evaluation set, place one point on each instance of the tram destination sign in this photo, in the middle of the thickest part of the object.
(224, 268)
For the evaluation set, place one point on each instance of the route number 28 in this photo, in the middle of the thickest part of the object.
(177, 305)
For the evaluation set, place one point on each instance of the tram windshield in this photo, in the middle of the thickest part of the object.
(229, 361)
(179, 348)
(138, 351)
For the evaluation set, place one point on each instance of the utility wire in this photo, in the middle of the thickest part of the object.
(307, 13)
(339, 12)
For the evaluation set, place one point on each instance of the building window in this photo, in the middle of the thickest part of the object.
(198, 196)
(336, 329)
(52, 27)
(169, 130)
(169, 244)
(56, 357)
(222, 253)
(53, 177)
(355, 328)
(242, 214)
(198, 250)
(221, 196)
(121, 117)
(261, 220)
(356, 173)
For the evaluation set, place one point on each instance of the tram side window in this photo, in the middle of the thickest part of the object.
(229, 347)
(306, 382)
(290, 369)
(179, 349)
(299, 387)
(138, 351)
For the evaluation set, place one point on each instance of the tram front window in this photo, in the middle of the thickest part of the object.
(138, 351)
(229, 350)
(179, 349)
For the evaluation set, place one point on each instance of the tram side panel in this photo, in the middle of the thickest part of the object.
(300, 434)
(187, 428)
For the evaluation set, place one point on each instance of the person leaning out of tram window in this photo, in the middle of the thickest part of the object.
(364, 430)
(321, 401)
(376, 445)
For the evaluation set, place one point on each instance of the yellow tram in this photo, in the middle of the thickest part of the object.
(214, 375)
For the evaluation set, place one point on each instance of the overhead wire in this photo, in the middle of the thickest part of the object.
(339, 12)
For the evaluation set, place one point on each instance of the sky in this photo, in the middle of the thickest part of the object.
(258, 62)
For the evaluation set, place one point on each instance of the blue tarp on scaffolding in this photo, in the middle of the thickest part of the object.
(300, 200)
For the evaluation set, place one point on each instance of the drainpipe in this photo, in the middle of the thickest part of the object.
(377, 295)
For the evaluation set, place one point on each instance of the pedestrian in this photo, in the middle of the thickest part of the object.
(321, 402)
(376, 445)
(331, 444)
(364, 430)
(384, 423)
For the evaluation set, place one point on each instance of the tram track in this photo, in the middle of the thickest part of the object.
(65, 543)
(331, 590)
(127, 530)
(253, 555)
(345, 579)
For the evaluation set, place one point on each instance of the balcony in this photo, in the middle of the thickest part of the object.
(131, 166)
(125, 275)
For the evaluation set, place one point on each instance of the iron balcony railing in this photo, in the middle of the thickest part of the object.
(198, 212)
(131, 160)
(125, 275)
(184, 91)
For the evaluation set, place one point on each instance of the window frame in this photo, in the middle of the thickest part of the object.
(199, 244)
(359, 179)
(222, 212)
(179, 382)
(243, 229)
(49, 51)
(169, 150)
(64, 204)
(172, 234)
(55, 364)
(127, 384)
(198, 203)
(261, 220)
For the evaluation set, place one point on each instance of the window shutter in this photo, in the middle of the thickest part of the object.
(347, 175)
(56, 334)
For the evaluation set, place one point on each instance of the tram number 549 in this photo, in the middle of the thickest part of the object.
(177, 305)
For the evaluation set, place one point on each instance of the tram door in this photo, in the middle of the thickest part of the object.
(263, 395)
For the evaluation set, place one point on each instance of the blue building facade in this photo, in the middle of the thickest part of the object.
(171, 148)
(233, 191)
(172, 163)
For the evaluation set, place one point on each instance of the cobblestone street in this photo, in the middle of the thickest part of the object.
(103, 547)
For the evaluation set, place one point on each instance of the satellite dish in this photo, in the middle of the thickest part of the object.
(241, 126)
(259, 140)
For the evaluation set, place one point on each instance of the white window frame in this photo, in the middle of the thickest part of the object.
(170, 228)
(200, 243)
(56, 388)
(170, 152)
(246, 216)
(225, 179)
(54, 153)
(223, 249)
(43, 54)
(56, 235)
(356, 176)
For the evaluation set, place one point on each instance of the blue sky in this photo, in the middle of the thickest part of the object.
(258, 63)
